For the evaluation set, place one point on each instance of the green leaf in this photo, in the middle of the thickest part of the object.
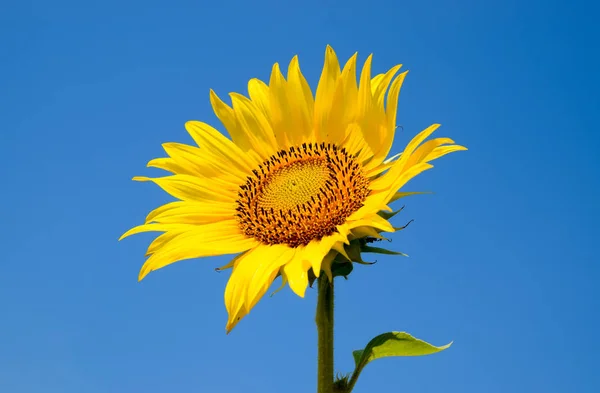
(378, 250)
(388, 215)
(394, 344)
(341, 268)
(391, 344)
(404, 226)
(399, 195)
(353, 251)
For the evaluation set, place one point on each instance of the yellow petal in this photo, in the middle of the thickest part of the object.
(356, 145)
(339, 247)
(371, 113)
(407, 175)
(350, 88)
(240, 136)
(365, 98)
(376, 201)
(314, 252)
(265, 271)
(422, 151)
(334, 126)
(388, 123)
(284, 281)
(252, 275)
(392, 102)
(373, 168)
(374, 221)
(259, 94)
(234, 319)
(161, 240)
(169, 164)
(155, 228)
(366, 231)
(253, 121)
(303, 98)
(202, 241)
(384, 181)
(191, 213)
(380, 86)
(166, 207)
(325, 91)
(375, 81)
(442, 151)
(194, 162)
(327, 262)
(283, 127)
(219, 146)
(191, 188)
(233, 262)
(392, 159)
(238, 282)
(296, 273)
(190, 158)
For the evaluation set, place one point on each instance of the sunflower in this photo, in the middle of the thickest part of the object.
(301, 177)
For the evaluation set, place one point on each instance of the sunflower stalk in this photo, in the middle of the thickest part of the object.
(324, 320)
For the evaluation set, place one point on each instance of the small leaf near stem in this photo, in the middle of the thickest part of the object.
(390, 344)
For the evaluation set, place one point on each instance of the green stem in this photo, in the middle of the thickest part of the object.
(324, 319)
(353, 380)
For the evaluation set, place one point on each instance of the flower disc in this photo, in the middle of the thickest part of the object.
(301, 194)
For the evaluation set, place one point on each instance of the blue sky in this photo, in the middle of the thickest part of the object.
(502, 256)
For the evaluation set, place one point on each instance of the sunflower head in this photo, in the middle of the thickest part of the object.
(301, 182)
(301, 194)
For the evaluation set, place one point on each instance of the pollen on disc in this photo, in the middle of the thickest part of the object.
(301, 194)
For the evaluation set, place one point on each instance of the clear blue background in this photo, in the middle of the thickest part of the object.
(503, 257)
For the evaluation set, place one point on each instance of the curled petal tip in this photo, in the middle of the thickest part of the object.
(143, 273)
(230, 325)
